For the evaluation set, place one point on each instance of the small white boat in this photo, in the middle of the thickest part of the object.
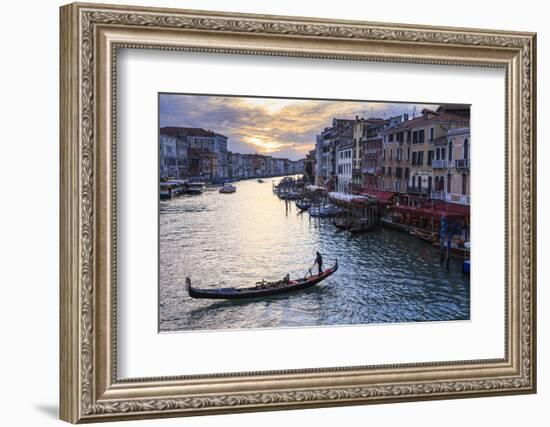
(196, 188)
(227, 188)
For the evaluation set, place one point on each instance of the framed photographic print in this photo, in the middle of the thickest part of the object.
(266, 212)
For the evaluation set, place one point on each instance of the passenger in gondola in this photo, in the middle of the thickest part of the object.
(319, 261)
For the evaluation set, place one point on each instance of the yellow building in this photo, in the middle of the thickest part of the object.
(452, 167)
(409, 151)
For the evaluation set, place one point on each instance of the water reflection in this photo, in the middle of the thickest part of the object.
(238, 239)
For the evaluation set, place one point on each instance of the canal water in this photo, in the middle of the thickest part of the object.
(238, 239)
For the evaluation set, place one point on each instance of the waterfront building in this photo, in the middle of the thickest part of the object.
(344, 161)
(168, 159)
(359, 135)
(395, 155)
(409, 149)
(372, 151)
(203, 164)
(182, 159)
(360, 130)
(297, 167)
(204, 140)
(318, 160)
(340, 133)
(309, 166)
(452, 167)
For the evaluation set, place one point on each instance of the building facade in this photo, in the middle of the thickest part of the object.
(372, 151)
(208, 143)
(168, 157)
(426, 157)
(409, 150)
(452, 167)
(339, 134)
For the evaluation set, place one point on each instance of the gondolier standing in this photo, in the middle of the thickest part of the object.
(319, 261)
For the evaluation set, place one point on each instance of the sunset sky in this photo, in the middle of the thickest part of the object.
(277, 127)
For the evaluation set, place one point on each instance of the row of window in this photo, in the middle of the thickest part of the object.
(440, 184)
(345, 154)
(440, 151)
(416, 137)
(344, 169)
(398, 171)
(418, 156)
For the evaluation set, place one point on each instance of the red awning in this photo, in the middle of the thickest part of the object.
(382, 196)
(451, 211)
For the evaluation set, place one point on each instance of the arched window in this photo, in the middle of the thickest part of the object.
(419, 182)
(450, 150)
(466, 149)
(464, 183)
(437, 154)
(448, 183)
(430, 184)
(443, 153)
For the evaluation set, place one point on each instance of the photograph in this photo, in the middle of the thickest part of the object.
(291, 212)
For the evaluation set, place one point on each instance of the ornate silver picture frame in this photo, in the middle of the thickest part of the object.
(91, 34)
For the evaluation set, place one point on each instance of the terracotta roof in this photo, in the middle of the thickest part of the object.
(424, 121)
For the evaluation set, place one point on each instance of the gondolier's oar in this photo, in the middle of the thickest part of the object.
(309, 271)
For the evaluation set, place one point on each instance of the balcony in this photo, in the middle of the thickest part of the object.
(418, 190)
(461, 199)
(371, 170)
(441, 164)
(372, 151)
(462, 164)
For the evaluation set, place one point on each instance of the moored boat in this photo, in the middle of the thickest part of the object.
(172, 188)
(261, 289)
(360, 226)
(389, 223)
(196, 188)
(324, 211)
(261, 181)
(288, 195)
(166, 192)
(426, 235)
(227, 189)
(303, 204)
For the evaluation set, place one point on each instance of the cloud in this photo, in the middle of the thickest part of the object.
(274, 126)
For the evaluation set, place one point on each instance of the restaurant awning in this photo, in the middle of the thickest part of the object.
(448, 210)
(382, 196)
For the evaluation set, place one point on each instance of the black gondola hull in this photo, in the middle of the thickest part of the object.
(255, 292)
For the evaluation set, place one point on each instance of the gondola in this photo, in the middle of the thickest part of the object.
(261, 289)
(303, 205)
